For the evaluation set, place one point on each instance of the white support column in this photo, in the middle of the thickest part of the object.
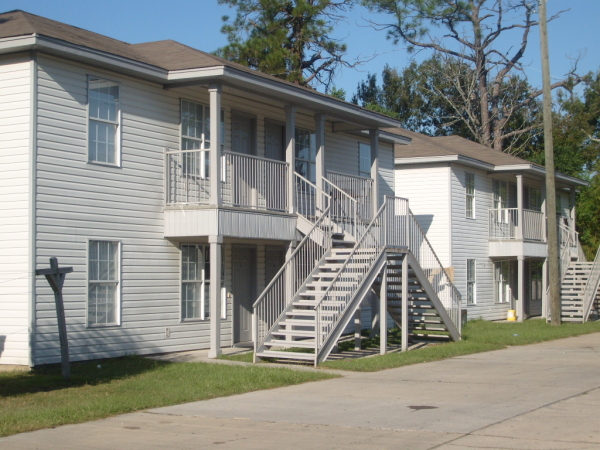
(215, 296)
(357, 329)
(383, 312)
(520, 226)
(215, 144)
(545, 216)
(404, 303)
(520, 307)
(545, 289)
(573, 200)
(320, 143)
(374, 136)
(290, 153)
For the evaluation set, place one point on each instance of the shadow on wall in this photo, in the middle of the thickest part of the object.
(2, 341)
(425, 220)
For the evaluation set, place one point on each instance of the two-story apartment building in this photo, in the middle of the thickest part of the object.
(484, 213)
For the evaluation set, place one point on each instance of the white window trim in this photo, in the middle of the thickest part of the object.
(467, 195)
(203, 317)
(118, 123)
(474, 281)
(119, 283)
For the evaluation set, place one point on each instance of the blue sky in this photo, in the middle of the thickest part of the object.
(197, 23)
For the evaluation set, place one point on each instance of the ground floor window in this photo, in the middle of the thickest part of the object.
(195, 282)
(502, 281)
(471, 283)
(103, 282)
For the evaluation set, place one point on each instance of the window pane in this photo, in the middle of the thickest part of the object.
(103, 98)
(103, 283)
(102, 138)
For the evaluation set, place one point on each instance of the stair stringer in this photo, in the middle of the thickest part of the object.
(349, 311)
(296, 296)
(426, 285)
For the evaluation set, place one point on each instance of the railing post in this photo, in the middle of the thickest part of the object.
(215, 144)
(407, 225)
(374, 138)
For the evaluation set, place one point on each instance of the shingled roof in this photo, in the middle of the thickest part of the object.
(424, 146)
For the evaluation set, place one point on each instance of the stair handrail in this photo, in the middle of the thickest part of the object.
(309, 254)
(438, 277)
(347, 206)
(370, 236)
(316, 202)
(591, 287)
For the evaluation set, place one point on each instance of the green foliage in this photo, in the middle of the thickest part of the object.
(286, 38)
(42, 398)
(338, 93)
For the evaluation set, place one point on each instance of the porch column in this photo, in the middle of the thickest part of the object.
(215, 296)
(290, 154)
(545, 289)
(383, 312)
(320, 143)
(404, 320)
(374, 135)
(545, 214)
(572, 192)
(520, 207)
(520, 306)
(214, 91)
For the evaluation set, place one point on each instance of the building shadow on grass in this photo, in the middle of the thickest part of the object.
(48, 378)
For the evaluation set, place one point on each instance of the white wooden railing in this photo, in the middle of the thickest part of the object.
(186, 177)
(254, 182)
(359, 188)
(344, 209)
(591, 288)
(279, 294)
(504, 224)
(311, 202)
(246, 181)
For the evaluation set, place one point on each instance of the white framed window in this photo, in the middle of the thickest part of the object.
(364, 160)
(104, 119)
(534, 199)
(470, 195)
(502, 275)
(195, 282)
(471, 281)
(103, 282)
(195, 135)
(306, 154)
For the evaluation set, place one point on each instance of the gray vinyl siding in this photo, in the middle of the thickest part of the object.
(15, 275)
(428, 190)
(78, 201)
(470, 240)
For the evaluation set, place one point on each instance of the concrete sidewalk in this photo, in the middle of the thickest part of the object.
(542, 396)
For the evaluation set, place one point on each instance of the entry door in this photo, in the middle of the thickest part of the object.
(244, 276)
(534, 297)
(274, 259)
(243, 134)
(274, 140)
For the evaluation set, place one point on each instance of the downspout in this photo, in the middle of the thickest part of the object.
(32, 205)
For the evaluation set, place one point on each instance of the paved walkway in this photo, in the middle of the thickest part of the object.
(543, 396)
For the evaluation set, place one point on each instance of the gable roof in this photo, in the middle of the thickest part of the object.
(426, 149)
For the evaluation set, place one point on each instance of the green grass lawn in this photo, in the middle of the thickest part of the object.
(41, 398)
(478, 336)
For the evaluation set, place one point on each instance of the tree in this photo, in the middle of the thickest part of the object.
(435, 97)
(287, 38)
(470, 32)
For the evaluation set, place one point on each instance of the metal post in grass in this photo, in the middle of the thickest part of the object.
(56, 280)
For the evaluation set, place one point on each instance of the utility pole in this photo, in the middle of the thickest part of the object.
(553, 271)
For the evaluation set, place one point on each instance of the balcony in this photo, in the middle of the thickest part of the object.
(504, 225)
(253, 194)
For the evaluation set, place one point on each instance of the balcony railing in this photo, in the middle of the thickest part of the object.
(504, 224)
(254, 182)
(246, 181)
(359, 188)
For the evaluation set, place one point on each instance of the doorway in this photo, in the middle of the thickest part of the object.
(244, 292)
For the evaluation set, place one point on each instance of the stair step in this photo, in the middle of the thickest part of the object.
(286, 355)
(289, 343)
(299, 333)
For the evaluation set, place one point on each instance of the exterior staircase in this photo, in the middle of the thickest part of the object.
(303, 311)
(580, 290)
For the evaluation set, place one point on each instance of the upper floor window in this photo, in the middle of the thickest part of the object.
(534, 199)
(103, 283)
(306, 154)
(104, 119)
(364, 160)
(500, 194)
(195, 126)
(470, 194)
